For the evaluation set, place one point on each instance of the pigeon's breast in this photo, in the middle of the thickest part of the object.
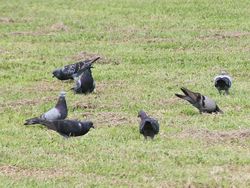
(52, 114)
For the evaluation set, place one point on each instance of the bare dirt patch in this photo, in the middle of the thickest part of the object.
(60, 26)
(216, 136)
(80, 56)
(109, 118)
(57, 27)
(18, 172)
(235, 173)
(81, 105)
(166, 101)
(27, 102)
(225, 35)
(6, 20)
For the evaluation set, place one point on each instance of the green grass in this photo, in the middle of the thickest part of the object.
(150, 49)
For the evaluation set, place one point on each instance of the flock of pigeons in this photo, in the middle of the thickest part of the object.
(80, 72)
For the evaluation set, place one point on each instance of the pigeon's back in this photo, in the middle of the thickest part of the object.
(52, 114)
(223, 81)
(149, 124)
(71, 127)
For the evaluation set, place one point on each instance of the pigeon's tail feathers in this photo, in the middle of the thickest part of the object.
(180, 96)
(223, 81)
(95, 59)
(32, 121)
(217, 109)
(46, 123)
(189, 93)
(187, 98)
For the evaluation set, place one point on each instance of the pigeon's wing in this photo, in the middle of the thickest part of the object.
(192, 95)
(149, 123)
(69, 70)
(68, 127)
(227, 81)
(52, 114)
(80, 71)
(155, 125)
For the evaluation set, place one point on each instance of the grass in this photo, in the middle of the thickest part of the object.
(149, 50)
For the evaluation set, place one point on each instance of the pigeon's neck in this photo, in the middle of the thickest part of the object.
(143, 115)
(61, 102)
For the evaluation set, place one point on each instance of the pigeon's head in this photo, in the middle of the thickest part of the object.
(62, 94)
(88, 124)
(57, 73)
(142, 114)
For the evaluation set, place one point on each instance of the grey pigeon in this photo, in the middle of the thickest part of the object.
(84, 81)
(149, 127)
(67, 128)
(67, 72)
(202, 103)
(223, 82)
(60, 111)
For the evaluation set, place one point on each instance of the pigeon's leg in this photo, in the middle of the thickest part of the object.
(227, 92)
(145, 137)
(220, 92)
(200, 111)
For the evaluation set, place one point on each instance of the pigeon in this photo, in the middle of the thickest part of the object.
(149, 127)
(67, 72)
(202, 103)
(84, 81)
(60, 111)
(223, 82)
(67, 128)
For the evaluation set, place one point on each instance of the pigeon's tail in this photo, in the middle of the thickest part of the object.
(185, 97)
(217, 109)
(189, 96)
(95, 59)
(223, 82)
(46, 123)
(32, 121)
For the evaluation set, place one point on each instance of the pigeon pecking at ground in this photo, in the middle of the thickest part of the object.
(84, 81)
(60, 111)
(67, 128)
(223, 82)
(67, 72)
(202, 103)
(149, 127)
